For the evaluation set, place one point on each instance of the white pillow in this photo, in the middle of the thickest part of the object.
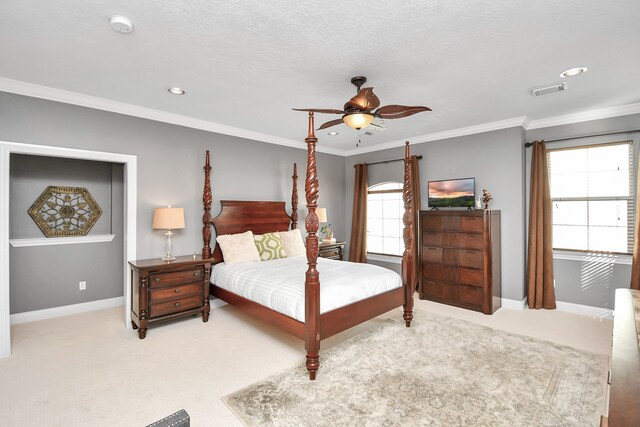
(237, 248)
(293, 243)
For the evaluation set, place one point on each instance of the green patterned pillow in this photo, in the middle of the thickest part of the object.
(269, 246)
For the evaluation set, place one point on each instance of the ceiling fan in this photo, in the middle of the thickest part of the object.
(360, 110)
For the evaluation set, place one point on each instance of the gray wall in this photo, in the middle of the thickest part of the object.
(170, 160)
(589, 282)
(47, 276)
(495, 159)
(30, 175)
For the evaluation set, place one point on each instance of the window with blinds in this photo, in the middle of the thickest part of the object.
(592, 197)
(385, 208)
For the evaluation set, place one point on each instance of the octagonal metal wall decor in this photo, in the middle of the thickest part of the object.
(65, 211)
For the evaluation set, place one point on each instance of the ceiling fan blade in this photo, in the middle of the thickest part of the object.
(399, 111)
(320, 110)
(330, 123)
(365, 99)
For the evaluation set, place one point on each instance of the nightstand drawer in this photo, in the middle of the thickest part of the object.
(175, 306)
(331, 253)
(164, 294)
(174, 278)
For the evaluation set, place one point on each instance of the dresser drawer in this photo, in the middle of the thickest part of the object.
(471, 223)
(470, 241)
(175, 278)
(431, 254)
(471, 276)
(169, 293)
(175, 306)
(432, 238)
(474, 259)
(432, 223)
(451, 293)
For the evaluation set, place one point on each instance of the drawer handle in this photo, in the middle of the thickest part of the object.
(157, 279)
(177, 304)
(177, 290)
(196, 273)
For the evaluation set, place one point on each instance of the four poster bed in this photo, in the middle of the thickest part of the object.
(308, 322)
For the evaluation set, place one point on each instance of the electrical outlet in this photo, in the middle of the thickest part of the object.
(83, 286)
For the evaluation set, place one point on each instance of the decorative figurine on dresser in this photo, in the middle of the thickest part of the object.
(460, 258)
(166, 290)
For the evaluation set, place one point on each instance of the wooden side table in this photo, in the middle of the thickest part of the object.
(331, 250)
(165, 290)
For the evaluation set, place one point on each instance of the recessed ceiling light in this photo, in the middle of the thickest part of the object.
(121, 24)
(573, 71)
(176, 91)
(333, 133)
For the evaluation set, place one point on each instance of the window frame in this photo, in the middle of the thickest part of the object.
(631, 206)
(369, 191)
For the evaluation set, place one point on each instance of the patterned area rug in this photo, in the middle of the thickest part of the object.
(439, 372)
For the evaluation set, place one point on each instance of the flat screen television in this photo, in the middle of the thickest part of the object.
(452, 193)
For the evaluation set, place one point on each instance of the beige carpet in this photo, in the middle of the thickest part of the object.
(441, 371)
(88, 370)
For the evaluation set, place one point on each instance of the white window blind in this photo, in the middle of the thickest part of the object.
(385, 209)
(592, 197)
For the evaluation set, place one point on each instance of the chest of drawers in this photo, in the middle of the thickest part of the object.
(460, 258)
(166, 290)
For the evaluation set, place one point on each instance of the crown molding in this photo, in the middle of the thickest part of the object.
(453, 133)
(74, 98)
(584, 116)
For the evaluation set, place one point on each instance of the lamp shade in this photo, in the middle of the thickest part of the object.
(357, 120)
(322, 214)
(168, 218)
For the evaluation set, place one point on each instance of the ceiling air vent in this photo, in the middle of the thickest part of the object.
(547, 89)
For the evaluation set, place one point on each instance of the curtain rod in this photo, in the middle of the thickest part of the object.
(390, 161)
(529, 144)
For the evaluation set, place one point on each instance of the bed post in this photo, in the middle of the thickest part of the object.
(312, 278)
(407, 257)
(206, 217)
(294, 198)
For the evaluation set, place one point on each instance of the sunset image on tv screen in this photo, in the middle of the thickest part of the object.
(452, 193)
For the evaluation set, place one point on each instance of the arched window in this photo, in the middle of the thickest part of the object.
(385, 209)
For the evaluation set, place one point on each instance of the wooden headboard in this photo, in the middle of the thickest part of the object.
(238, 216)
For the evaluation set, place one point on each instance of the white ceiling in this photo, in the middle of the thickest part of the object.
(244, 64)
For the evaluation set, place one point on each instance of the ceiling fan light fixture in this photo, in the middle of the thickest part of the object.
(357, 120)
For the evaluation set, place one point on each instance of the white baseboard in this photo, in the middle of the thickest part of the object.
(513, 304)
(65, 310)
(584, 310)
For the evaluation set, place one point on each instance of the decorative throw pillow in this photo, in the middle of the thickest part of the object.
(237, 248)
(269, 246)
(292, 243)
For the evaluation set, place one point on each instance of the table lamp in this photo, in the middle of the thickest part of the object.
(168, 219)
(322, 218)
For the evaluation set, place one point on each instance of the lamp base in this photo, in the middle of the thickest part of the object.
(167, 256)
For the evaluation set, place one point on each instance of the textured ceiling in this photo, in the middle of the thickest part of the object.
(246, 64)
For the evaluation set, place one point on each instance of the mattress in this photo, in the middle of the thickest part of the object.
(279, 284)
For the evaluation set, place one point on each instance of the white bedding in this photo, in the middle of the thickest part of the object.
(279, 283)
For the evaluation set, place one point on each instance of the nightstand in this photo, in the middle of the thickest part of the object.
(331, 250)
(166, 290)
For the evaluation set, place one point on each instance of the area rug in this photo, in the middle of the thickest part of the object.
(439, 372)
